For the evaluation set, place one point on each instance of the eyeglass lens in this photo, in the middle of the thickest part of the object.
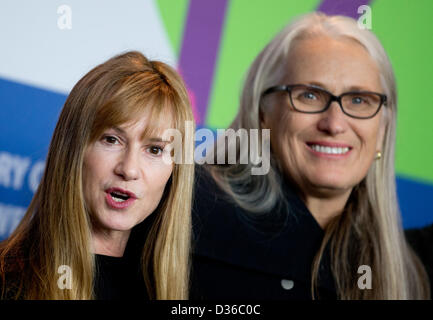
(361, 104)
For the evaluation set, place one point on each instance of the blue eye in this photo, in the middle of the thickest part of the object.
(309, 95)
(358, 100)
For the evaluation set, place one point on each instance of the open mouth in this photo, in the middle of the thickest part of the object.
(119, 199)
(118, 196)
(331, 150)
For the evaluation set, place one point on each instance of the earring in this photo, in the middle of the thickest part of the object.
(378, 155)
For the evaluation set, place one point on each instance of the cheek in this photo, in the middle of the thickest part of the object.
(370, 136)
(291, 129)
(88, 175)
(159, 175)
(88, 183)
(280, 126)
(155, 183)
(167, 172)
(96, 166)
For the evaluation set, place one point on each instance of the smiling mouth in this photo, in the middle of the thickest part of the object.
(328, 149)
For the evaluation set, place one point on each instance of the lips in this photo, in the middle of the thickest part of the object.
(329, 144)
(118, 198)
(329, 149)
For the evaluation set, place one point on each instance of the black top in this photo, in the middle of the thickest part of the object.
(122, 278)
(118, 279)
(421, 240)
(115, 279)
(268, 260)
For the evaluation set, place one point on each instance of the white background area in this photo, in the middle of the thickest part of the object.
(35, 51)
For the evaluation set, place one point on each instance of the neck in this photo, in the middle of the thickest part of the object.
(110, 243)
(324, 207)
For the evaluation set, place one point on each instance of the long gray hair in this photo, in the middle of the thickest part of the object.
(369, 231)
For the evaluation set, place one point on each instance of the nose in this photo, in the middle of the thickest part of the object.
(128, 165)
(333, 121)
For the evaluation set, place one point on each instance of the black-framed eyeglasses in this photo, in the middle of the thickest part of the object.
(313, 99)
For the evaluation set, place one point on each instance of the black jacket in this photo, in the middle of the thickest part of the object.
(269, 259)
(421, 240)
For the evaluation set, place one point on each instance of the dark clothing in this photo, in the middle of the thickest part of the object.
(122, 278)
(421, 240)
(269, 259)
(115, 279)
(118, 279)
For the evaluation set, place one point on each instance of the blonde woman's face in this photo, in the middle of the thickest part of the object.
(299, 140)
(124, 176)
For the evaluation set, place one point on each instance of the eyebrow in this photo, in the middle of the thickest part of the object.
(157, 139)
(151, 139)
(351, 88)
(120, 130)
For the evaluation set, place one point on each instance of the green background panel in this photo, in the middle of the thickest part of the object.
(173, 13)
(249, 26)
(405, 30)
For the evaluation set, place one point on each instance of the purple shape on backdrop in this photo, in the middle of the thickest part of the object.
(200, 46)
(342, 7)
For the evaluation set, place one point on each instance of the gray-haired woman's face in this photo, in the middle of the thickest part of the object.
(329, 152)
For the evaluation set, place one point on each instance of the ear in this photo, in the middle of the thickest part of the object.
(384, 120)
(264, 110)
(262, 118)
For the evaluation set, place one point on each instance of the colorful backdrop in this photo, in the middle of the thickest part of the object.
(47, 46)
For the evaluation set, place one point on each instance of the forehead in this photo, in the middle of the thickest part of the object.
(149, 124)
(338, 64)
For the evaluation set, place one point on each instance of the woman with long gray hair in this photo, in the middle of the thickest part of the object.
(324, 222)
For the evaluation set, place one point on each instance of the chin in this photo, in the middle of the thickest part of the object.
(331, 184)
(121, 224)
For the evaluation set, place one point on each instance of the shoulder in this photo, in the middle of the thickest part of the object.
(215, 211)
(207, 193)
(421, 241)
(222, 227)
(214, 214)
(233, 256)
(422, 233)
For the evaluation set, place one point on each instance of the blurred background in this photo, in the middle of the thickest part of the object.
(47, 46)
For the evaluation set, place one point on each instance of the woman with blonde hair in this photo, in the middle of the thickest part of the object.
(106, 180)
(324, 222)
